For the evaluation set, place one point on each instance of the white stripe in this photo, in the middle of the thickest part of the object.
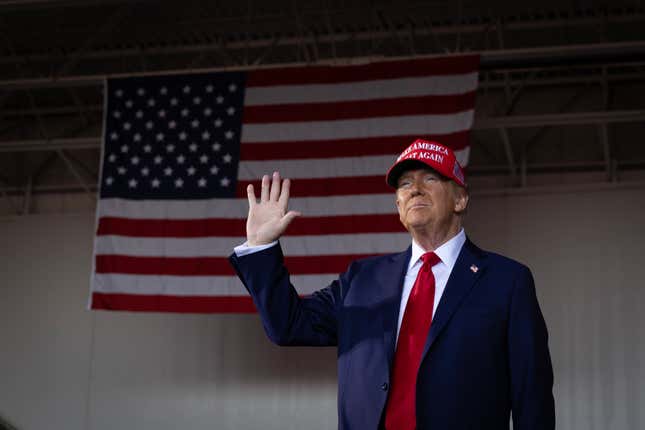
(194, 285)
(367, 90)
(358, 128)
(367, 243)
(326, 167)
(318, 168)
(238, 208)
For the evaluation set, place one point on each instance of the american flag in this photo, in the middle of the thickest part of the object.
(179, 150)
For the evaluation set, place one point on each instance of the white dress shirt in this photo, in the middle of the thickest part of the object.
(448, 253)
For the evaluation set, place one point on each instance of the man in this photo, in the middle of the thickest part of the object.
(442, 336)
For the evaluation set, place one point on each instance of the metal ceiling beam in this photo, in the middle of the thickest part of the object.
(498, 60)
(515, 121)
(512, 23)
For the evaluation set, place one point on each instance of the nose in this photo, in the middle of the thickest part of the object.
(416, 188)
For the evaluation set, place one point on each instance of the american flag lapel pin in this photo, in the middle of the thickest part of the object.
(474, 268)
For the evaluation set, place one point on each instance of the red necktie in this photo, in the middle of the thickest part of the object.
(400, 413)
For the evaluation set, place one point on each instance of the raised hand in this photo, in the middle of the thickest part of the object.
(268, 218)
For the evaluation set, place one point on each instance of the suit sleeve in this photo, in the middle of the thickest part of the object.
(287, 318)
(529, 360)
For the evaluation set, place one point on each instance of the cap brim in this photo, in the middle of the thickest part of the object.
(397, 170)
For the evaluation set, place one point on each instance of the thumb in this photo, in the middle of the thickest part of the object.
(288, 217)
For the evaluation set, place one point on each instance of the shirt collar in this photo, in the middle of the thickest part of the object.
(448, 252)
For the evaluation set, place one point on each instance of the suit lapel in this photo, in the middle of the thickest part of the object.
(390, 276)
(469, 267)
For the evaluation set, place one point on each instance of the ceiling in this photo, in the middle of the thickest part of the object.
(562, 85)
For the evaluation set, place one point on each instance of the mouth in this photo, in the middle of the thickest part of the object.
(418, 206)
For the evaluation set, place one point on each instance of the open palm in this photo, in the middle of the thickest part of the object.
(268, 218)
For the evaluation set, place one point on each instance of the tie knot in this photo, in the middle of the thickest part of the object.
(430, 259)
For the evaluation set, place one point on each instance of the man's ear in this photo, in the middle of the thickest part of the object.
(461, 200)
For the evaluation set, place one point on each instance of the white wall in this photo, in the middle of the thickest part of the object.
(62, 367)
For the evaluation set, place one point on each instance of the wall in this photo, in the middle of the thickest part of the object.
(63, 367)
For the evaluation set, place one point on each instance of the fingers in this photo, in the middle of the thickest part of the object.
(250, 194)
(275, 187)
(284, 193)
(264, 195)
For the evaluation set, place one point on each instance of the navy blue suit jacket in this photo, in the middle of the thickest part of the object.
(486, 353)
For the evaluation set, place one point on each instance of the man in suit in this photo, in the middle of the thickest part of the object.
(443, 336)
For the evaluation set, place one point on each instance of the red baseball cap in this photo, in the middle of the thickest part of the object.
(424, 153)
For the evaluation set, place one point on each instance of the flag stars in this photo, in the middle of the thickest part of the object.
(191, 171)
(163, 91)
(185, 112)
(125, 149)
(232, 88)
(158, 159)
(192, 147)
(216, 146)
(151, 102)
(136, 137)
(194, 123)
(121, 170)
(186, 89)
(161, 113)
(172, 125)
(203, 159)
(209, 88)
(112, 158)
(167, 171)
(127, 126)
(202, 182)
(128, 104)
(147, 148)
(109, 180)
(227, 158)
(173, 101)
(179, 183)
(214, 170)
(206, 135)
(160, 137)
(225, 182)
(118, 93)
(145, 171)
(181, 159)
(134, 160)
(197, 100)
(116, 114)
(230, 111)
(170, 148)
(219, 99)
(183, 135)
(155, 183)
(229, 134)
(141, 92)
(208, 112)
(132, 183)
(139, 114)
(218, 122)
(150, 125)
(114, 136)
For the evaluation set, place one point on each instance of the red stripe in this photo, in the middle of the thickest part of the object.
(213, 227)
(215, 266)
(180, 304)
(333, 111)
(386, 145)
(324, 187)
(451, 65)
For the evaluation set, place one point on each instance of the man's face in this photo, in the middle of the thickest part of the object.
(426, 199)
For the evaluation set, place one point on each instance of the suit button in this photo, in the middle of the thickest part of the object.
(384, 386)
